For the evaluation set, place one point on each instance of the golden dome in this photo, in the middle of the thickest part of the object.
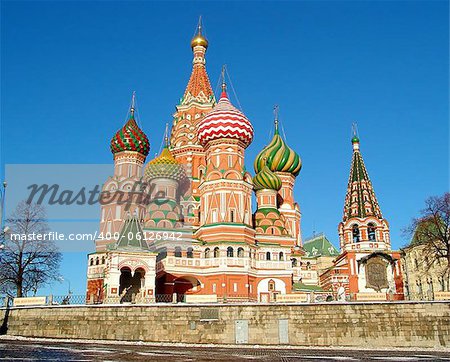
(199, 39)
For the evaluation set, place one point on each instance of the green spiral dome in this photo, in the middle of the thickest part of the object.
(165, 166)
(266, 179)
(280, 157)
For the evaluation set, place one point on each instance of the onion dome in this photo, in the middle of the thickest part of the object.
(280, 157)
(225, 121)
(130, 137)
(165, 166)
(199, 39)
(266, 179)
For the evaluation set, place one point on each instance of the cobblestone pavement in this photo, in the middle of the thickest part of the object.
(33, 350)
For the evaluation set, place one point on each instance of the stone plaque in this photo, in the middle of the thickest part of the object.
(376, 274)
(209, 314)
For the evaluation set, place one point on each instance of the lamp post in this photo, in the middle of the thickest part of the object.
(61, 279)
(3, 229)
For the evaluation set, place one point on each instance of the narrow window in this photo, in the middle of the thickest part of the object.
(178, 252)
(230, 252)
(371, 231)
(240, 253)
(118, 212)
(356, 235)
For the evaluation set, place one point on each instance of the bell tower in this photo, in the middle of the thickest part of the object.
(363, 226)
(197, 101)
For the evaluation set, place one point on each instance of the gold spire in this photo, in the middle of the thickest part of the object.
(133, 102)
(275, 112)
(222, 74)
(166, 136)
(198, 38)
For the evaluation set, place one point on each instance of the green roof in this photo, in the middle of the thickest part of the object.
(319, 246)
(300, 287)
(427, 230)
(361, 187)
(131, 237)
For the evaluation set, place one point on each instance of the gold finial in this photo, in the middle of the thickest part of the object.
(198, 38)
(275, 112)
(166, 135)
(133, 103)
(222, 74)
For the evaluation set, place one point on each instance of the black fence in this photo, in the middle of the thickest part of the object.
(66, 299)
(168, 298)
(6, 301)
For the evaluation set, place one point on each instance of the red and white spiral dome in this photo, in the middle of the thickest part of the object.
(225, 121)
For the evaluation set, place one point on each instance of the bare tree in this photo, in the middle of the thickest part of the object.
(28, 260)
(432, 229)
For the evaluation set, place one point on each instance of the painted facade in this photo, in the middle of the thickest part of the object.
(184, 222)
(193, 204)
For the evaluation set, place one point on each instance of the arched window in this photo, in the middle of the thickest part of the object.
(230, 252)
(271, 285)
(97, 261)
(216, 252)
(281, 256)
(190, 252)
(268, 255)
(189, 210)
(178, 252)
(308, 265)
(92, 261)
(240, 252)
(371, 231)
(103, 260)
(356, 235)
(294, 262)
(207, 253)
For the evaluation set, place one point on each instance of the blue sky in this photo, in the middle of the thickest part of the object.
(68, 70)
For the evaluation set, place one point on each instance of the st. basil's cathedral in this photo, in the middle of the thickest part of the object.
(189, 231)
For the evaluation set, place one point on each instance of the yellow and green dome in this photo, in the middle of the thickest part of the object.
(165, 166)
(266, 179)
(279, 157)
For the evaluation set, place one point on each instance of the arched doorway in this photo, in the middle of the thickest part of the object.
(185, 285)
(130, 283)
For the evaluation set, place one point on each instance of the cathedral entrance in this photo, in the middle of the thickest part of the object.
(185, 284)
(167, 285)
(130, 284)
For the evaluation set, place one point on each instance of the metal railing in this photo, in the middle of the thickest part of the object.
(66, 299)
(5, 301)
